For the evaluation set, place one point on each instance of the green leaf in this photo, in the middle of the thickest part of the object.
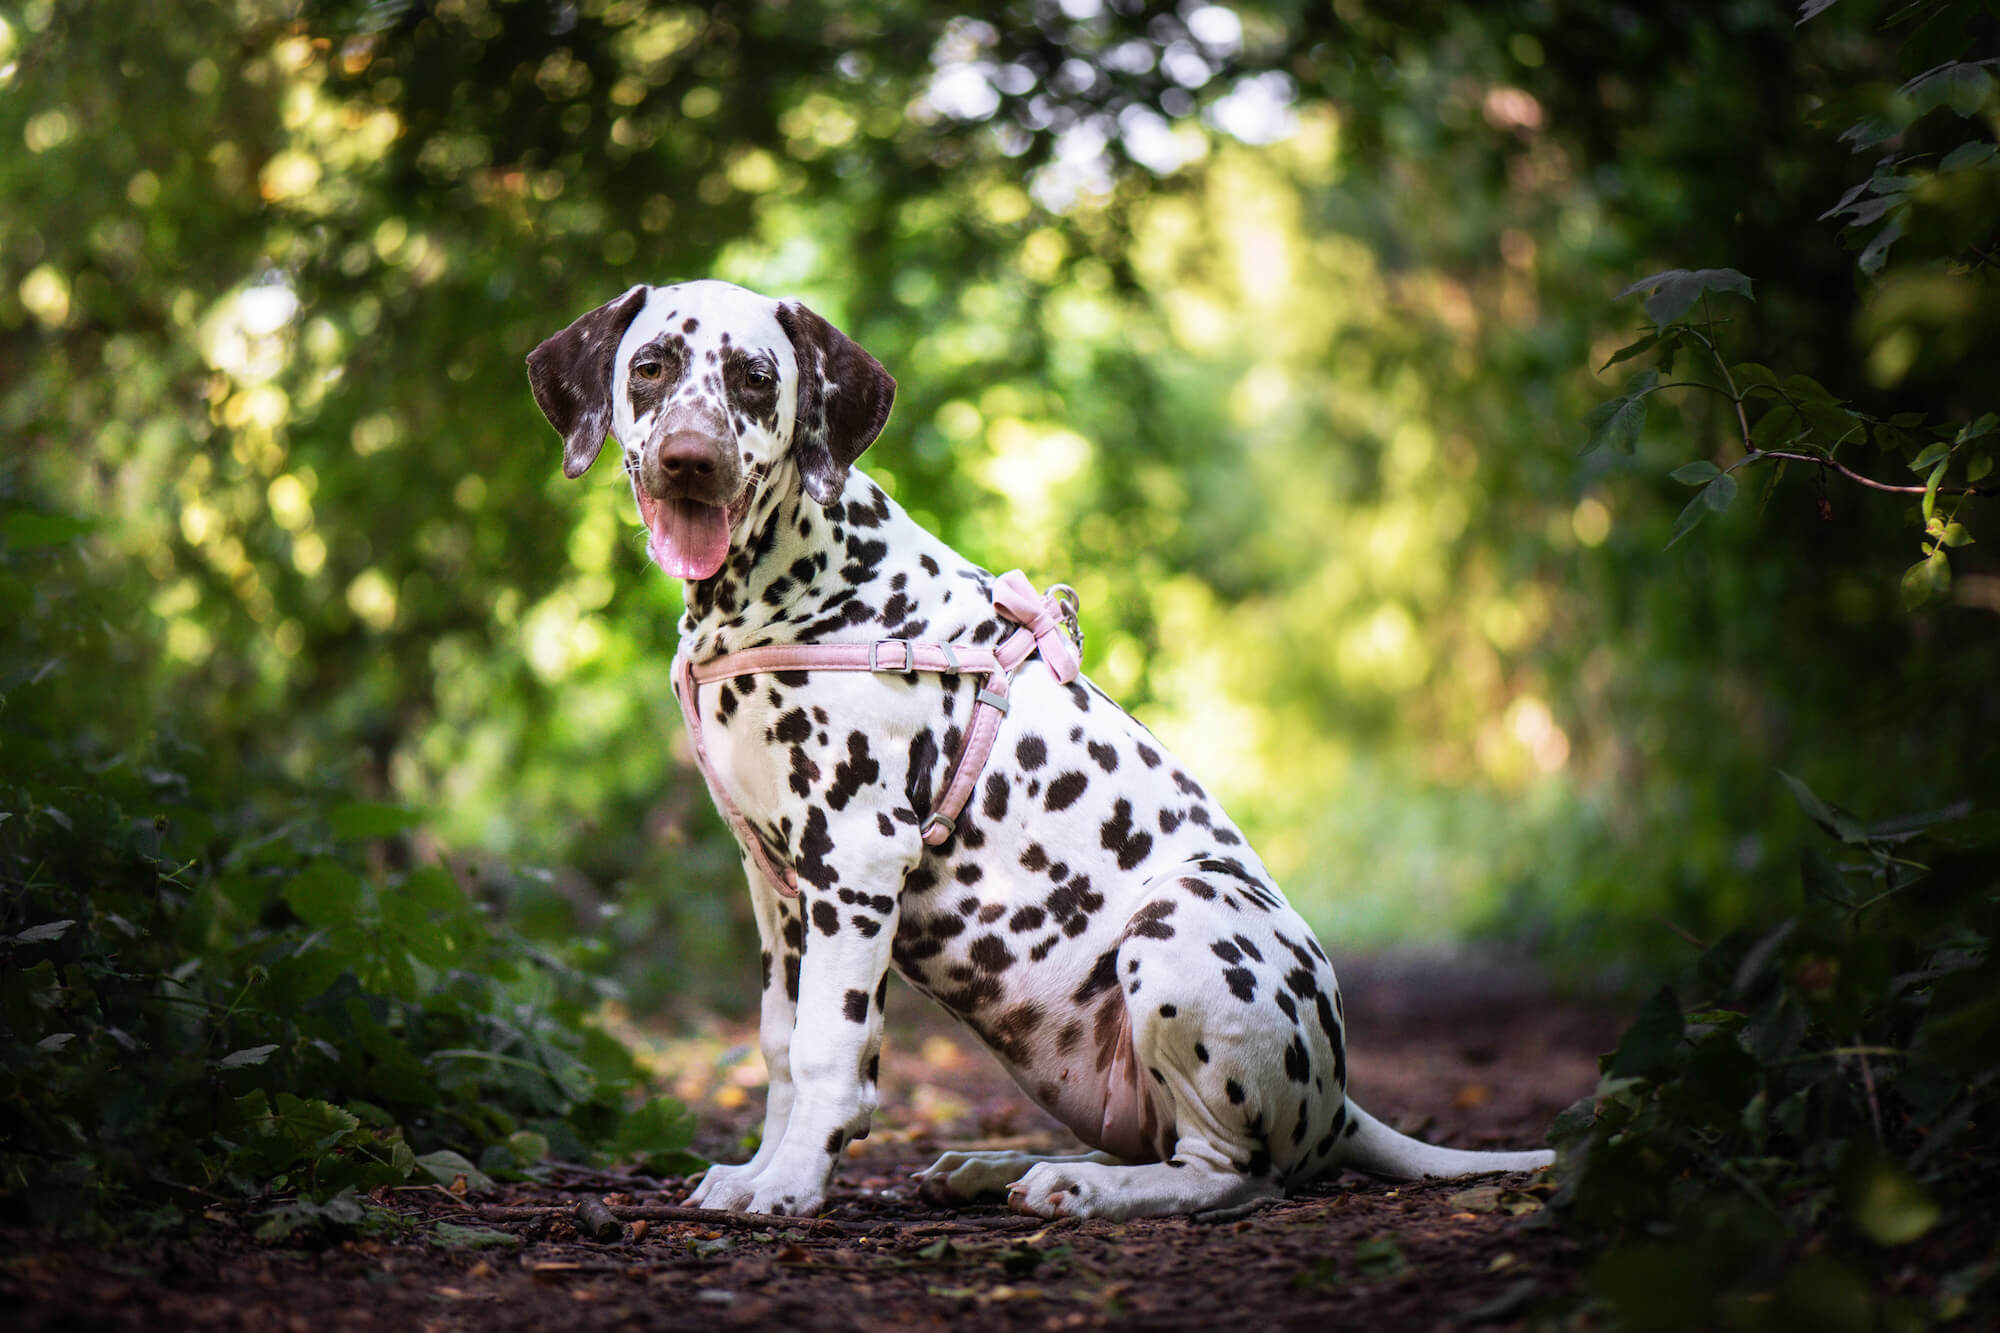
(46, 933)
(445, 1166)
(1930, 457)
(1697, 509)
(317, 1125)
(370, 819)
(1673, 293)
(1750, 375)
(1955, 534)
(1968, 155)
(1573, 1122)
(1808, 391)
(1776, 428)
(1818, 811)
(1926, 581)
(1961, 85)
(659, 1133)
(326, 894)
(1630, 350)
(1876, 254)
(1698, 473)
(1931, 489)
(1649, 1046)
(1978, 468)
(343, 1212)
(1619, 421)
(249, 1055)
(1718, 493)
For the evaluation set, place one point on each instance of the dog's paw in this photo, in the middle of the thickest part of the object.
(1053, 1190)
(722, 1181)
(959, 1176)
(737, 1189)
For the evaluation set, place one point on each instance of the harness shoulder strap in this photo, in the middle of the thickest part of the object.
(1046, 622)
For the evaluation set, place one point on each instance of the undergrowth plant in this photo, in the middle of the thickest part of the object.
(1805, 1123)
(212, 987)
(1800, 1133)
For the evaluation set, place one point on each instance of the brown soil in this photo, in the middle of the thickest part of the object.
(1465, 1054)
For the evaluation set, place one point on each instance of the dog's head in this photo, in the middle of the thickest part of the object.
(711, 392)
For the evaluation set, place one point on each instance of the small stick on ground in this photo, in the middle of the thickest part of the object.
(594, 1220)
(666, 1213)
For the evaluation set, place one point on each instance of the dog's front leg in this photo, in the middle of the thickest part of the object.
(850, 915)
(780, 936)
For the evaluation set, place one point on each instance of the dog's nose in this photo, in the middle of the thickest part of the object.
(687, 457)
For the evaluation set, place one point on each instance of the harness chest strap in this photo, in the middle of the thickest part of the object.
(1042, 617)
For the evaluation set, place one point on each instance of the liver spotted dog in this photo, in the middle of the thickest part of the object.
(1090, 913)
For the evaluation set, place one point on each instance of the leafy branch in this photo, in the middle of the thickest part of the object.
(1793, 419)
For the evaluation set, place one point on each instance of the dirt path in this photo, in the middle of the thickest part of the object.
(1470, 1056)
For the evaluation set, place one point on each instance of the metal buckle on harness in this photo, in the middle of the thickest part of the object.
(1072, 607)
(950, 825)
(909, 664)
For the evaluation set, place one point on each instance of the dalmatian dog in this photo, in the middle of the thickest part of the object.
(1094, 917)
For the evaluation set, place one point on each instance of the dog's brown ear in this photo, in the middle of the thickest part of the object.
(571, 376)
(843, 403)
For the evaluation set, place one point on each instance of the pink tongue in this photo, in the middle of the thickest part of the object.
(690, 540)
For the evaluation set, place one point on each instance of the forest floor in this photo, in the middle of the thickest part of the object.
(1464, 1053)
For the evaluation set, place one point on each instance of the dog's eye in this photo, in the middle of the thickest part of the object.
(759, 375)
(648, 370)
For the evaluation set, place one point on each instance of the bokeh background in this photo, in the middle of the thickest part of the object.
(1269, 326)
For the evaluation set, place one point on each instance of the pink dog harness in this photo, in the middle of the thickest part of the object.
(1047, 621)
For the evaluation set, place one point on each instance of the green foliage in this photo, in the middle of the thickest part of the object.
(249, 992)
(1796, 419)
(1945, 192)
(1817, 1111)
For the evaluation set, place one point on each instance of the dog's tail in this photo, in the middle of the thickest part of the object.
(1379, 1150)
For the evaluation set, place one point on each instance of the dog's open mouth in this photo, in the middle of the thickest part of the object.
(686, 538)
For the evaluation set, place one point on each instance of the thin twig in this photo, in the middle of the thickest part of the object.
(665, 1213)
(456, 1201)
(1689, 936)
(1721, 364)
(1868, 1085)
(1860, 479)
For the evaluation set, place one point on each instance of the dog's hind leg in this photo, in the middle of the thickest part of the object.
(1235, 1035)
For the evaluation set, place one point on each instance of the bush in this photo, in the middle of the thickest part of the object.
(213, 983)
